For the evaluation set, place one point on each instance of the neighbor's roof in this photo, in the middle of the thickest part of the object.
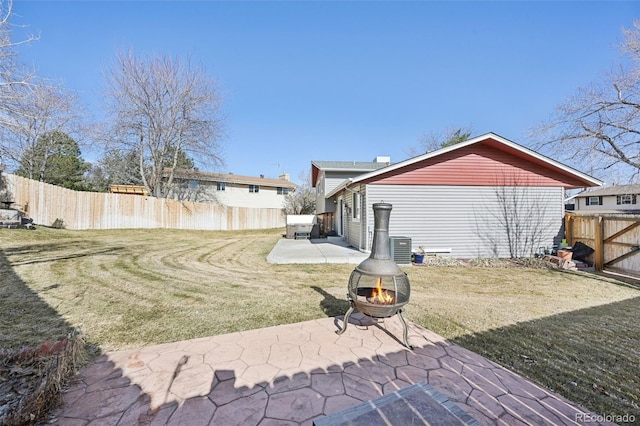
(232, 178)
(506, 144)
(343, 166)
(611, 190)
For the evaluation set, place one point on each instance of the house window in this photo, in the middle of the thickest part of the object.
(221, 186)
(254, 188)
(594, 201)
(626, 199)
(356, 205)
(282, 191)
(193, 184)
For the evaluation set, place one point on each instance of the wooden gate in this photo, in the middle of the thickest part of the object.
(615, 239)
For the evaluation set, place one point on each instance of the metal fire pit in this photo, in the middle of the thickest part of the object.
(378, 287)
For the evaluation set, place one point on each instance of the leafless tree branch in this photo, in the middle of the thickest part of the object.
(599, 127)
(159, 107)
(518, 218)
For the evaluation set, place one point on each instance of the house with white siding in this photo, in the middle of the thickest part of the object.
(612, 199)
(231, 189)
(485, 197)
(326, 176)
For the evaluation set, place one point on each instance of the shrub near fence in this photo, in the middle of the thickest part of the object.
(51, 205)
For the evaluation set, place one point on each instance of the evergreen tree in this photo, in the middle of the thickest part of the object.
(120, 168)
(56, 159)
(456, 137)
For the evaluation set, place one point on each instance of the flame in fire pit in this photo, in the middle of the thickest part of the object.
(380, 296)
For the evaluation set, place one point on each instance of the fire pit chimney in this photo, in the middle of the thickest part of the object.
(378, 287)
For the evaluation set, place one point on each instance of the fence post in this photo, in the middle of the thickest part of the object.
(568, 228)
(598, 255)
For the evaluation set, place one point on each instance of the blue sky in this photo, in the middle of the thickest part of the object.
(334, 80)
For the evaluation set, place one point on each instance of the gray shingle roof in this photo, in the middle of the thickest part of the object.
(612, 190)
(349, 165)
(231, 178)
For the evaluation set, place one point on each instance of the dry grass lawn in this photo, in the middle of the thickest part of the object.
(575, 333)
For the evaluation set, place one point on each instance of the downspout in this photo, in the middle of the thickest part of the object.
(362, 223)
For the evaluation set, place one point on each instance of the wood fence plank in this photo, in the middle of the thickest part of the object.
(598, 255)
(610, 235)
(621, 232)
(50, 205)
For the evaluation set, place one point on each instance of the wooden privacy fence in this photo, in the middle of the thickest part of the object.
(615, 239)
(51, 205)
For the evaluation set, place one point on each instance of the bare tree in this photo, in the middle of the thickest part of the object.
(43, 109)
(436, 140)
(16, 80)
(161, 107)
(5, 192)
(120, 167)
(598, 128)
(519, 219)
(302, 200)
(182, 190)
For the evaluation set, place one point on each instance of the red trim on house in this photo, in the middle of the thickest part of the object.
(485, 163)
(315, 172)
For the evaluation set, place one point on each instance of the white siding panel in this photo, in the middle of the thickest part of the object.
(609, 203)
(331, 182)
(327, 183)
(465, 219)
(239, 196)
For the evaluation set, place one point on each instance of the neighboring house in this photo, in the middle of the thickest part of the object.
(326, 176)
(617, 199)
(231, 190)
(477, 198)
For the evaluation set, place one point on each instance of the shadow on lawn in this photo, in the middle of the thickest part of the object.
(620, 277)
(331, 305)
(590, 356)
(38, 351)
(42, 253)
(26, 319)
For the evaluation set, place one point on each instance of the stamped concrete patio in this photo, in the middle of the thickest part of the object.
(295, 374)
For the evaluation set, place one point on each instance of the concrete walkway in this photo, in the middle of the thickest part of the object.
(293, 374)
(321, 250)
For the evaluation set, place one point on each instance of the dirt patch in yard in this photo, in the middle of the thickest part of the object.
(32, 379)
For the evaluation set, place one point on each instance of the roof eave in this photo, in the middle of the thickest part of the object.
(584, 177)
(344, 184)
